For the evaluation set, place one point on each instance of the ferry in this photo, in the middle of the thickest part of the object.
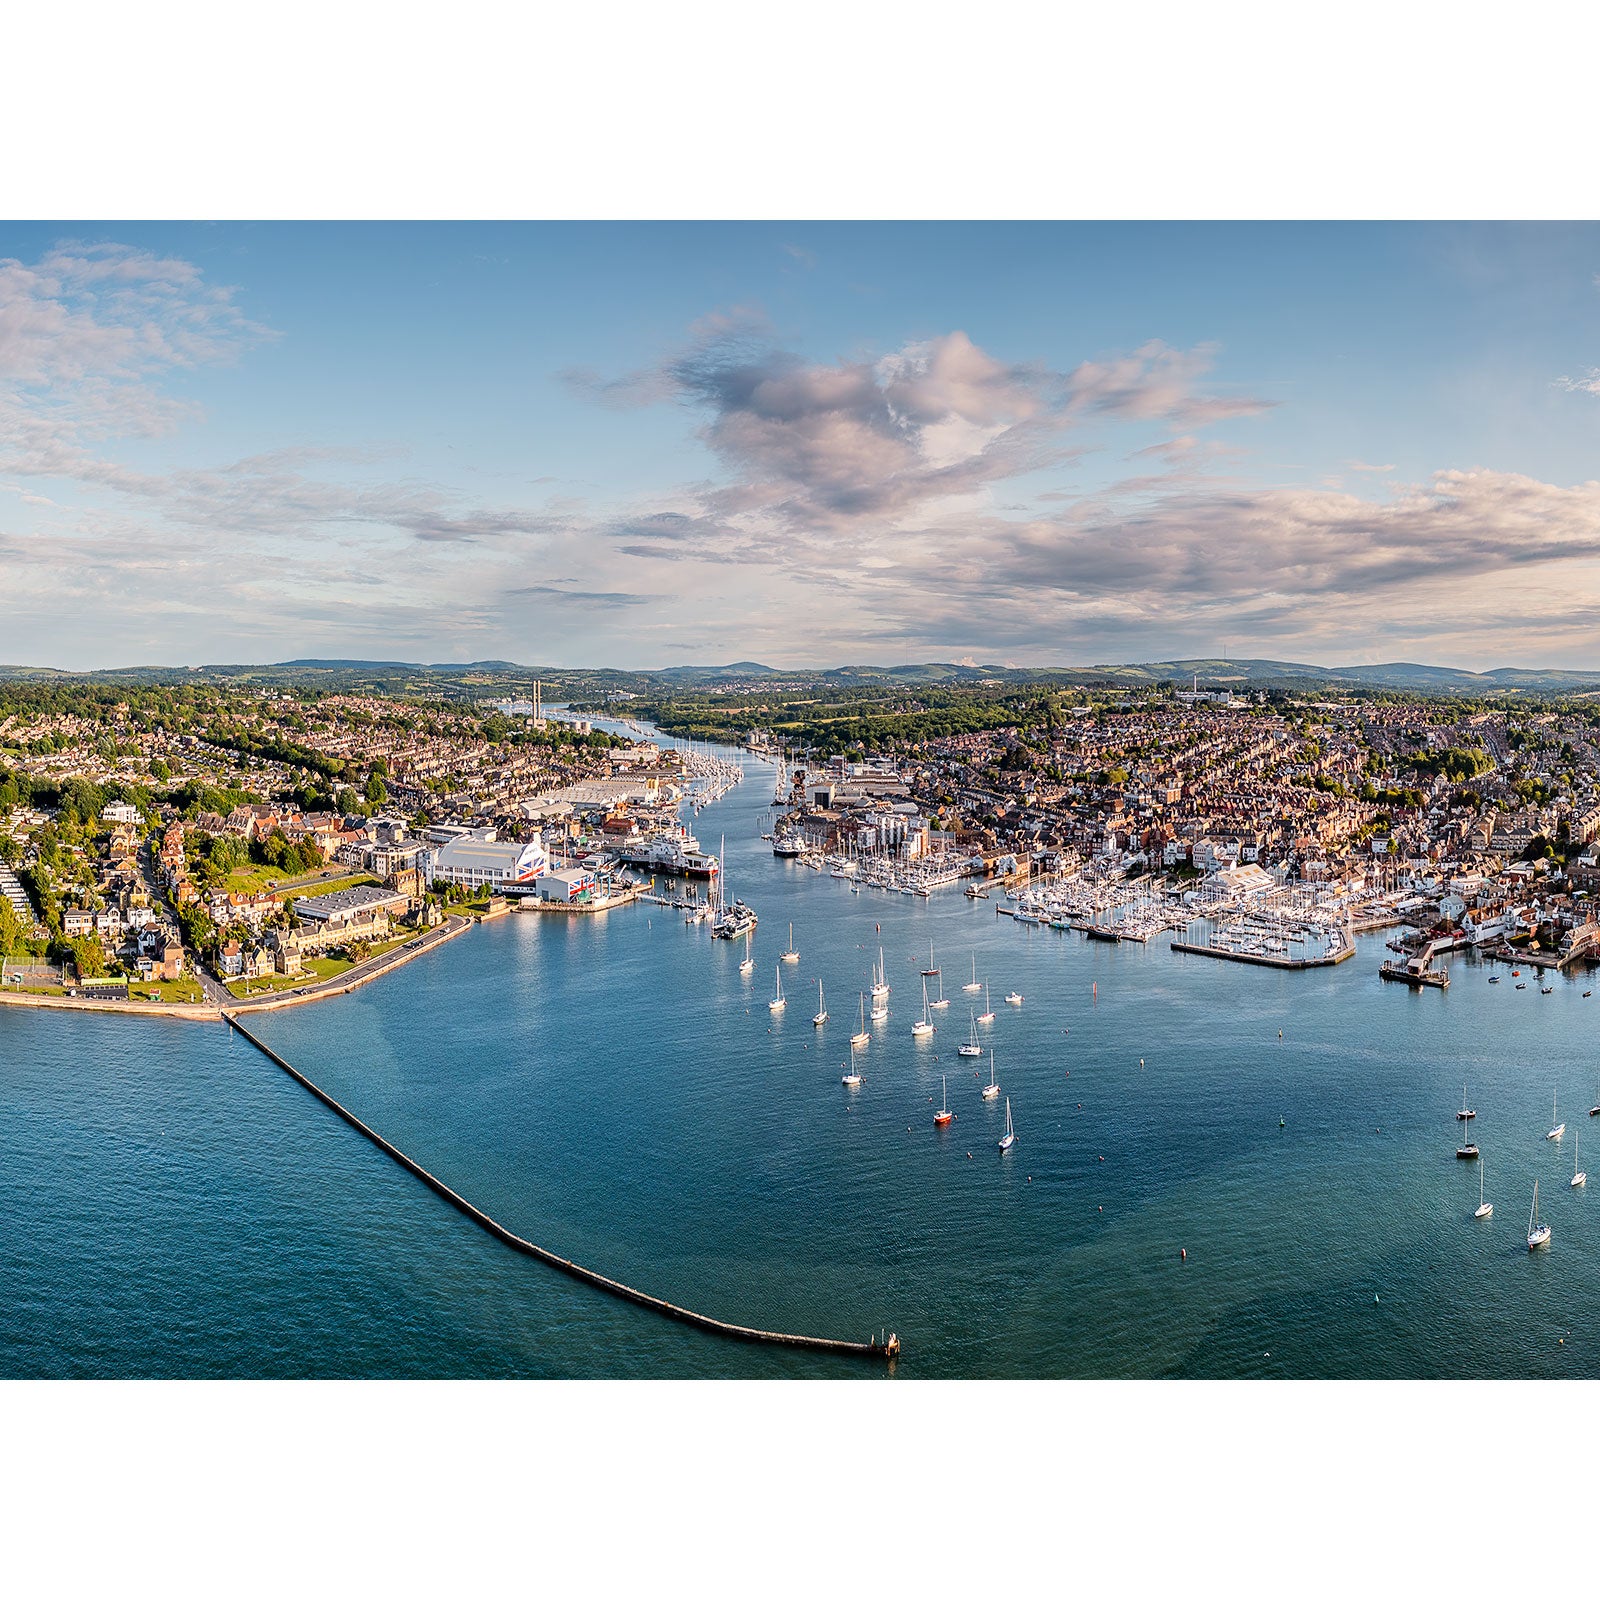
(679, 857)
(788, 845)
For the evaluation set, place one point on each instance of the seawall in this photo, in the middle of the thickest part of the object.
(728, 1330)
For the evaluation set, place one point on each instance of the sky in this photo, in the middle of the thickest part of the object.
(641, 445)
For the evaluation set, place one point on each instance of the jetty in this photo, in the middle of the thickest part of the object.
(886, 1350)
(1418, 971)
(1286, 963)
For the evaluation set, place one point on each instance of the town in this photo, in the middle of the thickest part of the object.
(220, 842)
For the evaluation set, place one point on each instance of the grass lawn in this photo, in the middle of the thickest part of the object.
(251, 879)
(255, 879)
(184, 990)
(321, 967)
(242, 988)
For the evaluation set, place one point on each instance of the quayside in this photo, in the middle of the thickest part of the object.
(886, 1351)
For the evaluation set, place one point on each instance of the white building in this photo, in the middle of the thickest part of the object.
(119, 811)
(565, 883)
(477, 862)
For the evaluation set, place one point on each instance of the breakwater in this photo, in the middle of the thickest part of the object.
(886, 1351)
(1253, 959)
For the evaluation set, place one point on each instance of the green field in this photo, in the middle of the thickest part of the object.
(256, 879)
(184, 990)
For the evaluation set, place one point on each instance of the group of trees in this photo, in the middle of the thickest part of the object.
(1457, 764)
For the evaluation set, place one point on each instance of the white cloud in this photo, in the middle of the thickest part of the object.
(1589, 383)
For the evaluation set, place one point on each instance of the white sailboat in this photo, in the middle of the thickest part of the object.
(851, 1079)
(1560, 1127)
(1485, 1207)
(991, 1088)
(1538, 1232)
(863, 1037)
(822, 1008)
(974, 986)
(880, 981)
(971, 1047)
(748, 965)
(941, 1002)
(1579, 1177)
(1010, 1138)
(932, 968)
(987, 1014)
(778, 1002)
(791, 954)
(921, 1030)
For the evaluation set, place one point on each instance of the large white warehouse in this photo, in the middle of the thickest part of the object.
(488, 861)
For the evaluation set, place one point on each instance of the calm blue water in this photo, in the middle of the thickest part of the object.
(170, 1203)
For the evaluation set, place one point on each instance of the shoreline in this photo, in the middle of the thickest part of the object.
(344, 983)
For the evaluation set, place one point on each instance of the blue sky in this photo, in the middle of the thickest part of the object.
(799, 443)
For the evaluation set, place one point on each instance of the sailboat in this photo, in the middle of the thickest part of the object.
(880, 983)
(778, 1003)
(1010, 1138)
(991, 1088)
(921, 1030)
(944, 1114)
(1560, 1127)
(791, 954)
(863, 1037)
(941, 1002)
(1466, 1150)
(971, 1047)
(851, 1078)
(749, 963)
(1538, 1232)
(1463, 1115)
(932, 968)
(974, 986)
(1579, 1177)
(987, 1014)
(822, 1008)
(1485, 1207)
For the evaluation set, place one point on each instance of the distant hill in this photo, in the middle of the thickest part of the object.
(485, 679)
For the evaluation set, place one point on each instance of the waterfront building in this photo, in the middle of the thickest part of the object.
(491, 862)
(349, 911)
(565, 884)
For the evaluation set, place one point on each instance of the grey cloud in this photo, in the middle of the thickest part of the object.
(589, 597)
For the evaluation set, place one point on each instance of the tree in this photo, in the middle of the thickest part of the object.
(376, 791)
(88, 958)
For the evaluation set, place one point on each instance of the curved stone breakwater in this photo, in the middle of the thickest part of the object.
(887, 1351)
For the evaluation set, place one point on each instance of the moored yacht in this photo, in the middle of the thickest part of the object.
(991, 1088)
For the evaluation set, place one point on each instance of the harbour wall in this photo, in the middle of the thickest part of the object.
(1283, 963)
(728, 1330)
